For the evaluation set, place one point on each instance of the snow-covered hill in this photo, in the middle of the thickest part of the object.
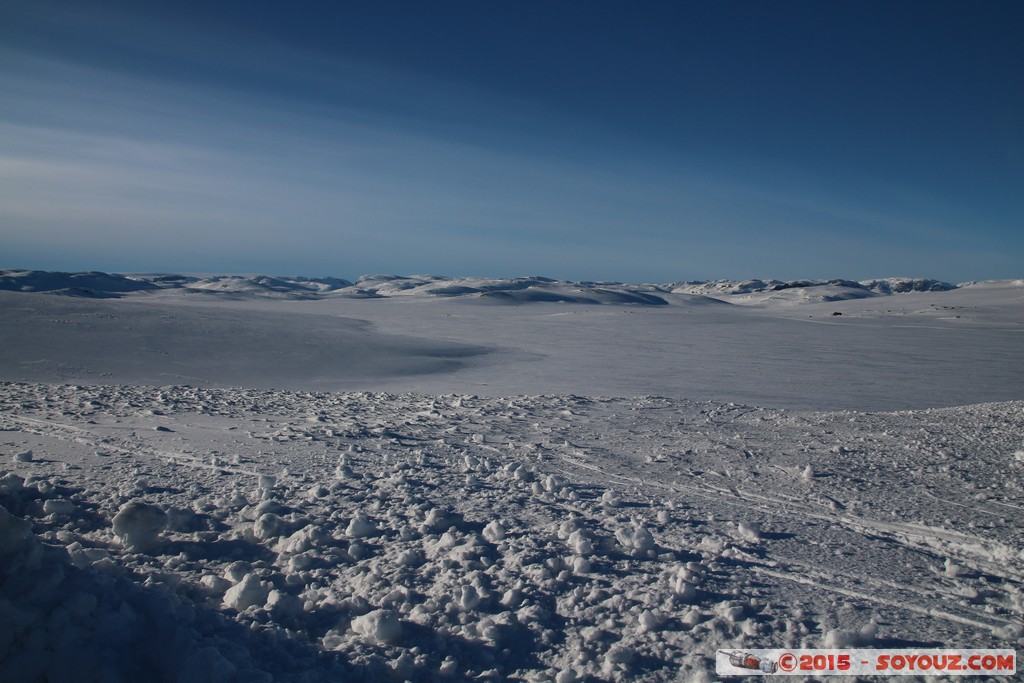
(92, 284)
(803, 291)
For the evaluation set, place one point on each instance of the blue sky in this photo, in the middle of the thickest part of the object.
(640, 141)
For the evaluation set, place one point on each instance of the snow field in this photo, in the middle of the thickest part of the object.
(317, 536)
(910, 349)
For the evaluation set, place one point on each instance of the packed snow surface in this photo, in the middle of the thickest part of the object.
(202, 486)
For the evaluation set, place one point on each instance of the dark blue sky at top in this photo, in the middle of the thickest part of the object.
(635, 141)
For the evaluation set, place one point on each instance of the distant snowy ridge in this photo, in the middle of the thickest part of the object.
(519, 290)
(499, 290)
(810, 290)
(514, 290)
(94, 283)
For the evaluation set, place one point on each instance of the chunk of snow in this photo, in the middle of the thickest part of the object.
(635, 539)
(683, 585)
(580, 544)
(494, 531)
(283, 605)
(619, 654)
(58, 506)
(554, 483)
(650, 620)
(381, 625)
(138, 525)
(306, 538)
(411, 558)
(361, 526)
(236, 571)
(841, 638)
(437, 519)
(249, 592)
(749, 531)
(268, 526)
(214, 584)
(468, 598)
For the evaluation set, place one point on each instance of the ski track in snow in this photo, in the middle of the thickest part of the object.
(278, 536)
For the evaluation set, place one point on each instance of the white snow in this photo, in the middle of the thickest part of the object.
(249, 592)
(889, 351)
(513, 500)
(381, 625)
(138, 525)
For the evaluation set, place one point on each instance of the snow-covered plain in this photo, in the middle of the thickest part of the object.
(277, 479)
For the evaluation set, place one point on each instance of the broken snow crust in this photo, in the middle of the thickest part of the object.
(209, 534)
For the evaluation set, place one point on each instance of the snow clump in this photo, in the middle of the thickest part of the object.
(749, 531)
(494, 531)
(138, 525)
(249, 592)
(381, 626)
(841, 638)
(635, 539)
(361, 526)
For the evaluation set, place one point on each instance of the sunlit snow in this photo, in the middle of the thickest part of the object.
(421, 478)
